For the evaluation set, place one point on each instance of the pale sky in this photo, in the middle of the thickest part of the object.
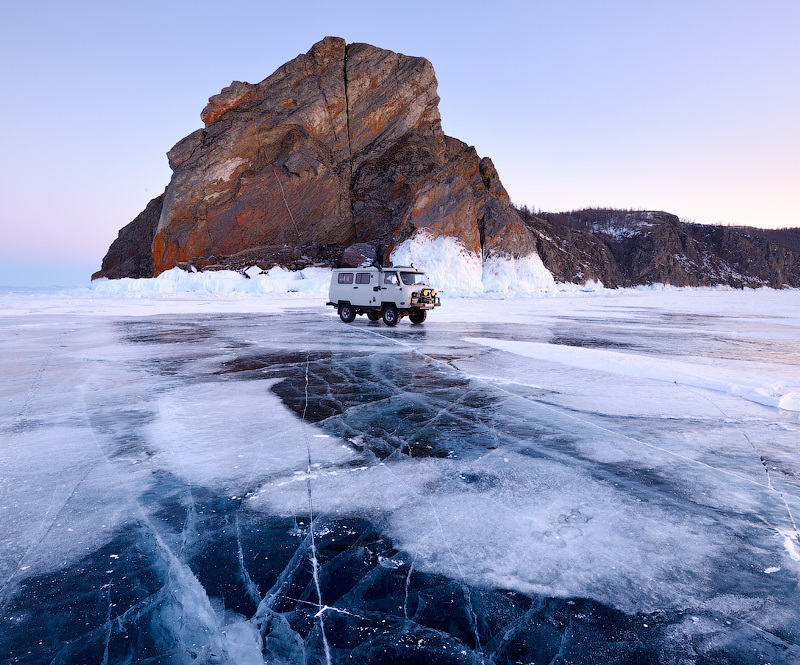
(692, 107)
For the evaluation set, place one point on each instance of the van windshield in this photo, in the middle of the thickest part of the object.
(411, 278)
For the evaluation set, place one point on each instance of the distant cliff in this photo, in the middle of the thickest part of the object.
(344, 145)
(627, 248)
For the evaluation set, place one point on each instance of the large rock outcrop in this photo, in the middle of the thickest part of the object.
(341, 145)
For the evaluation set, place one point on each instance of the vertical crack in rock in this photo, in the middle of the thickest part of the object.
(286, 203)
(482, 237)
(349, 147)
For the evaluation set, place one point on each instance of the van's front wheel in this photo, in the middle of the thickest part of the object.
(347, 313)
(418, 316)
(390, 315)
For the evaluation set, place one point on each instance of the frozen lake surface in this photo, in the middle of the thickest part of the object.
(608, 477)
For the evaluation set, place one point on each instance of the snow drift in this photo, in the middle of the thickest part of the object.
(456, 271)
(310, 281)
(450, 267)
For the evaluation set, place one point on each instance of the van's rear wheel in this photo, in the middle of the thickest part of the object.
(418, 316)
(373, 316)
(347, 313)
(390, 316)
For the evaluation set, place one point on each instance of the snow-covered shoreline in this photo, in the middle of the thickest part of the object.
(453, 271)
(177, 291)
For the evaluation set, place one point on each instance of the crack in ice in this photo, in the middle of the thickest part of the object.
(314, 559)
(107, 640)
(791, 547)
(6, 589)
(250, 585)
(465, 587)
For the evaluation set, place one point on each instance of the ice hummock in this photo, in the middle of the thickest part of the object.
(455, 270)
(254, 280)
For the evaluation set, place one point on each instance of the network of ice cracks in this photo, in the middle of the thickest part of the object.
(598, 477)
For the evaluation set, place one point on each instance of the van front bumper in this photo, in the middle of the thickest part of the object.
(425, 303)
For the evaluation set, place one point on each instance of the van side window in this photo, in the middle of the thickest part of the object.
(345, 278)
(390, 278)
(362, 278)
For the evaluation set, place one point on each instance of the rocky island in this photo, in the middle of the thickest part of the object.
(340, 154)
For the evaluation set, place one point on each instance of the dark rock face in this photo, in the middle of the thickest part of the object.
(344, 146)
(360, 255)
(626, 248)
(130, 255)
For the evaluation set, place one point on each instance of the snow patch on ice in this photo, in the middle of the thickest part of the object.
(790, 544)
(753, 388)
(535, 526)
(205, 435)
(790, 401)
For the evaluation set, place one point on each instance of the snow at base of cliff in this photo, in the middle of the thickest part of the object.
(451, 269)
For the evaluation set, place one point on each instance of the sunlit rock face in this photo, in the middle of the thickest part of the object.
(269, 169)
(341, 145)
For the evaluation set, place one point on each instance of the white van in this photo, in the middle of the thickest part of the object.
(387, 293)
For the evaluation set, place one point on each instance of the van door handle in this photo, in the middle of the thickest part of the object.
(376, 288)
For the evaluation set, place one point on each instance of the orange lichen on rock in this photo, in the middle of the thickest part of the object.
(230, 97)
(166, 255)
